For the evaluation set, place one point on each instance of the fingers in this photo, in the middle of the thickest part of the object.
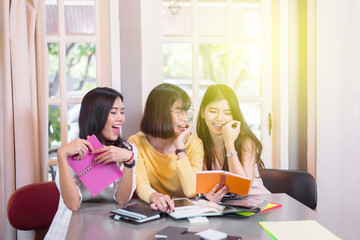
(81, 155)
(153, 206)
(102, 158)
(238, 125)
(214, 196)
(100, 150)
(233, 123)
(220, 194)
(189, 128)
(78, 148)
(213, 190)
(170, 203)
(89, 146)
(163, 203)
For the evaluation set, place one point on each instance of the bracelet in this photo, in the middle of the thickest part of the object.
(132, 155)
(230, 154)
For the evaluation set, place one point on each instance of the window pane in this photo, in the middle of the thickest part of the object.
(177, 60)
(79, 17)
(51, 17)
(177, 18)
(73, 111)
(246, 69)
(54, 140)
(80, 68)
(53, 70)
(245, 19)
(212, 17)
(212, 62)
(252, 115)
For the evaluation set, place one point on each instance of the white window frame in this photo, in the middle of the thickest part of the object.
(106, 38)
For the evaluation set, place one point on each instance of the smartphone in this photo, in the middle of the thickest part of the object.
(184, 203)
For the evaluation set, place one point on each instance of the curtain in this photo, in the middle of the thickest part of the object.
(23, 107)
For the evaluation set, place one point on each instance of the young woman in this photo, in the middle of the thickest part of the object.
(169, 154)
(229, 143)
(102, 114)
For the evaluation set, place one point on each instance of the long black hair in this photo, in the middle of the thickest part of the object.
(94, 112)
(215, 93)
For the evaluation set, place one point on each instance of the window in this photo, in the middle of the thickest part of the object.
(220, 41)
(74, 44)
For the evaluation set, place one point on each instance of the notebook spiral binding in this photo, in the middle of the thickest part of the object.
(88, 169)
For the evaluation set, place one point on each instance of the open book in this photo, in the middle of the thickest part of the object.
(204, 208)
(96, 177)
(136, 213)
(206, 180)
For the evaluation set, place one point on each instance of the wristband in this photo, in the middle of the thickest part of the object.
(180, 150)
(129, 165)
(132, 155)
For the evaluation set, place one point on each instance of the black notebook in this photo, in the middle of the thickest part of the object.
(136, 213)
(247, 204)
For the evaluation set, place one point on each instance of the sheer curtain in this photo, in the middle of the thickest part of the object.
(23, 122)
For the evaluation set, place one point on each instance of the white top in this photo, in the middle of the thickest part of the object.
(60, 223)
(257, 186)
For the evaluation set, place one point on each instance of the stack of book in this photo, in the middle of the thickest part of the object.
(135, 213)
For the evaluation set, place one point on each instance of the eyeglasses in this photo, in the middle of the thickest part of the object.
(181, 113)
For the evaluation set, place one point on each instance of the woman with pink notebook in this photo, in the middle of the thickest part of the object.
(98, 168)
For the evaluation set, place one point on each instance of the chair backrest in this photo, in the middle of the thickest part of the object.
(298, 184)
(33, 206)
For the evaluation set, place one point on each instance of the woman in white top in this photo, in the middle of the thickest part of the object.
(229, 143)
(101, 114)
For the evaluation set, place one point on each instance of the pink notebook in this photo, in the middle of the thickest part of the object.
(96, 177)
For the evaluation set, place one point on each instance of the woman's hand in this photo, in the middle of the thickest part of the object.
(77, 148)
(181, 138)
(112, 154)
(216, 196)
(159, 201)
(230, 131)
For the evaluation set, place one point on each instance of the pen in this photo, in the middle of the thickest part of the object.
(171, 196)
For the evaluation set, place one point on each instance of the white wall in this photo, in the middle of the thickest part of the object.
(338, 113)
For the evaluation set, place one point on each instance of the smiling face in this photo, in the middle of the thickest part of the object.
(115, 119)
(216, 114)
(179, 117)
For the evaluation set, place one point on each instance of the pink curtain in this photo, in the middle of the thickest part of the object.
(23, 107)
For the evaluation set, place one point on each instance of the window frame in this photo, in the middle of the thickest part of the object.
(265, 42)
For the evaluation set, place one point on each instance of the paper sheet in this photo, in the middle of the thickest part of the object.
(306, 229)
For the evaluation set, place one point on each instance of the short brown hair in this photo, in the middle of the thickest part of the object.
(157, 120)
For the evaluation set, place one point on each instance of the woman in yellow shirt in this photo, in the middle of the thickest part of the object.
(169, 154)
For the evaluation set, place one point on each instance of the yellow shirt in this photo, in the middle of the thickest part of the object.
(158, 172)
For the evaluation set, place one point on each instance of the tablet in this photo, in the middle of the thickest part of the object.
(184, 203)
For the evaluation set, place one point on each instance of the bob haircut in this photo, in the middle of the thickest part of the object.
(94, 112)
(215, 93)
(157, 121)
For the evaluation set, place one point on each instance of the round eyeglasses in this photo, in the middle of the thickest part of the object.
(181, 113)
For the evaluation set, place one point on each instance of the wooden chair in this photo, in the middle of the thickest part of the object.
(298, 184)
(33, 207)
